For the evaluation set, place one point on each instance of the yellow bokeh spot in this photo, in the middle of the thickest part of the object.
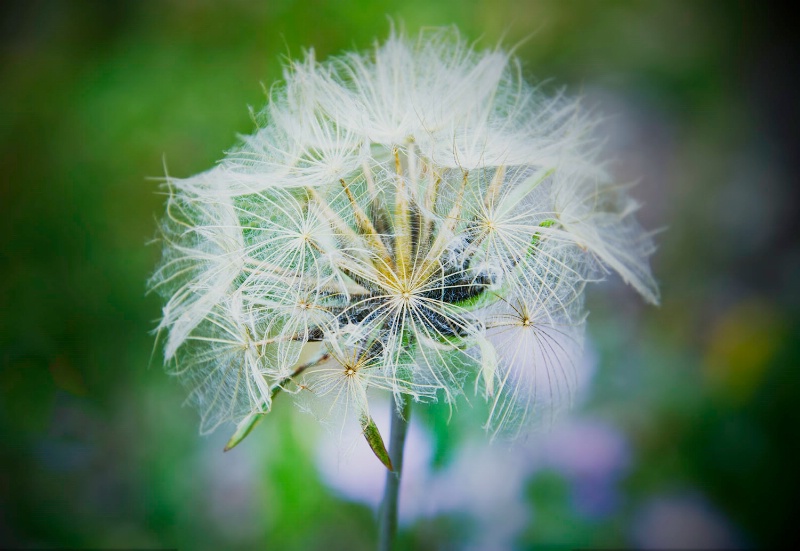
(741, 347)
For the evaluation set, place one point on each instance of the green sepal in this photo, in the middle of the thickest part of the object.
(538, 236)
(243, 429)
(475, 302)
(248, 423)
(375, 441)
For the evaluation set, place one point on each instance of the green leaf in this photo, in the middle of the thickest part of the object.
(375, 441)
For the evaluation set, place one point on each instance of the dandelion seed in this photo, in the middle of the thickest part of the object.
(421, 213)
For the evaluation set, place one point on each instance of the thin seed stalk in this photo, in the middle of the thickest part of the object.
(388, 512)
(402, 224)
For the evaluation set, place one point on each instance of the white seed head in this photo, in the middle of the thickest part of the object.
(404, 209)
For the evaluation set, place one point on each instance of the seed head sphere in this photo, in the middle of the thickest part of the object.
(415, 220)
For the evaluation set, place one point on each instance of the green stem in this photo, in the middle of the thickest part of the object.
(391, 493)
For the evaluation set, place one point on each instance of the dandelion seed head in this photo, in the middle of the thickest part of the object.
(421, 215)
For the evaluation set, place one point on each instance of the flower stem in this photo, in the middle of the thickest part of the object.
(391, 493)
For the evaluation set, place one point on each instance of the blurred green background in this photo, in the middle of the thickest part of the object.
(688, 433)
